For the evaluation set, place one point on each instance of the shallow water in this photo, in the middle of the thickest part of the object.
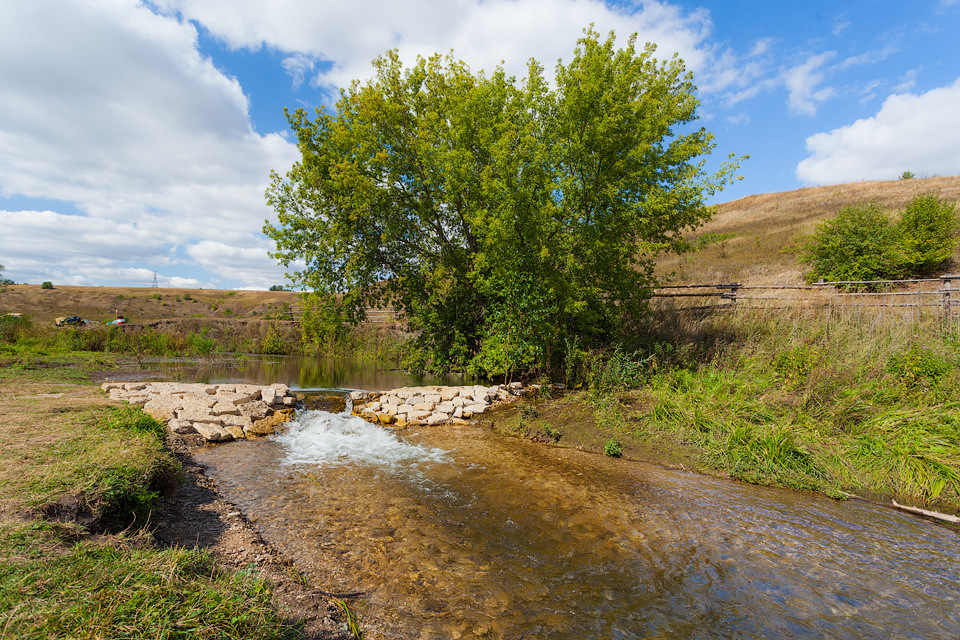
(299, 372)
(458, 532)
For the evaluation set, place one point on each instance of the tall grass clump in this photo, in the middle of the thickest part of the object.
(851, 399)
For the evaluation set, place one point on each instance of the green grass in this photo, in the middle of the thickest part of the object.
(77, 479)
(128, 590)
(857, 402)
(832, 400)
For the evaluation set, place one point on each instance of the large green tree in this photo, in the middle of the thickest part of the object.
(502, 218)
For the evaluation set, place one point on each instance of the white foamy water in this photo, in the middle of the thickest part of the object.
(322, 438)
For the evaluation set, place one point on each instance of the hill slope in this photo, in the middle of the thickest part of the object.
(142, 305)
(763, 232)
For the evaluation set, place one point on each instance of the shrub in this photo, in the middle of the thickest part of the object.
(12, 327)
(200, 344)
(46, 285)
(273, 343)
(926, 234)
(919, 366)
(853, 246)
(862, 243)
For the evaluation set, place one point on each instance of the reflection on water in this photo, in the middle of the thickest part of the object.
(299, 372)
(457, 532)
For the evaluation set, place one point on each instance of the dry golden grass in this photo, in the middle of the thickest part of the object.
(768, 229)
(141, 304)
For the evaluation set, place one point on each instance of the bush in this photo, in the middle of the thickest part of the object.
(47, 285)
(853, 246)
(926, 234)
(12, 327)
(862, 243)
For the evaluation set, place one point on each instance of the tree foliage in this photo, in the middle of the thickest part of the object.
(864, 243)
(856, 245)
(927, 234)
(499, 217)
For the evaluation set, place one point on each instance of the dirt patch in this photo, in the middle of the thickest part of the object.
(569, 421)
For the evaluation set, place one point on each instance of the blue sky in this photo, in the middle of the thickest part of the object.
(138, 137)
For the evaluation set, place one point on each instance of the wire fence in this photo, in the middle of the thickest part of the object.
(942, 293)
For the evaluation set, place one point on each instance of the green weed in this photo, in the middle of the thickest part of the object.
(613, 448)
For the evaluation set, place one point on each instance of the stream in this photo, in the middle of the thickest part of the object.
(460, 532)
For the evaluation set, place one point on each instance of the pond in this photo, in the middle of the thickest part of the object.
(460, 532)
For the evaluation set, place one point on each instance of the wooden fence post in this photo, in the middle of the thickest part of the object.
(946, 298)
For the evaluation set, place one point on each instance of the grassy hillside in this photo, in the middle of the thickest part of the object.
(143, 305)
(756, 239)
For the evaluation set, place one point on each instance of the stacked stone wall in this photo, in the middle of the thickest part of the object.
(218, 412)
(431, 405)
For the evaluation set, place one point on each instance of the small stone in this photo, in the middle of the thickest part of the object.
(255, 410)
(212, 432)
(235, 431)
(269, 424)
(225, 408)
(437, 418)
(182, 427)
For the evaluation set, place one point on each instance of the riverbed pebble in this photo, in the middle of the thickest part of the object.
(218, 412)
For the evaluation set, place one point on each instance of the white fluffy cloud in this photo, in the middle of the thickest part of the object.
(251, 265)
(481, 32)
(918, 133)
(112, 108)
(803, 85)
